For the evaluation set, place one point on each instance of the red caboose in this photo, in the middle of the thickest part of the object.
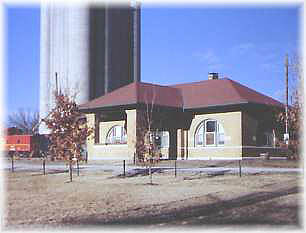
(25, 145)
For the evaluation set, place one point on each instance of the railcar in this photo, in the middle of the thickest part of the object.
(25, 145)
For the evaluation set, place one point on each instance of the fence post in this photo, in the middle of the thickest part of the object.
(240, 168)
(175, 168)
(124, 168)
(12, 158)
(44, 165)
(78, 167)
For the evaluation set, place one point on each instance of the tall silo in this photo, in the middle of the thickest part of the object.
(92, 49)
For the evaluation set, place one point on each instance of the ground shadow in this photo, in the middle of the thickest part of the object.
(138, 172)
(198, 215)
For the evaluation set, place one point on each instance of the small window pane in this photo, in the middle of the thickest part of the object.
(200, 135)
(220, 128)
(201, 129)
(117, 135)
(210, 126)
(124, 139)
(200, 139)
(221, 139)
(164, 139)
(210, 138)
(220, 134)
(112, 133)
(118, 131)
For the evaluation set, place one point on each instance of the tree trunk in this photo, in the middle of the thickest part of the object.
(150, 173)
(78, 167)
(70, 169)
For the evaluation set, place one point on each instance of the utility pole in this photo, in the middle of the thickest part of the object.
(286, 137)
(56, 83)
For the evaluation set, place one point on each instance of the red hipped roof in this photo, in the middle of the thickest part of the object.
(137, 93)
(202, 94)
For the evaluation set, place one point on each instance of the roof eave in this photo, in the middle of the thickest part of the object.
(126, 107)
(231, 104)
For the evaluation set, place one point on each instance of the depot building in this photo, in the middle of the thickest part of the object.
(210, 119)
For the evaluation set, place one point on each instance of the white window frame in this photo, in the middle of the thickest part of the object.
(111, 138)
(205, 133)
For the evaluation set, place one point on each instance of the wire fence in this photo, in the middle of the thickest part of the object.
(126, 168)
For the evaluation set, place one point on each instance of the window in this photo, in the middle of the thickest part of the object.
(164, 139)
(116, 135)
(163, 136)
(268, 139)
(221, 134)
(209, 133)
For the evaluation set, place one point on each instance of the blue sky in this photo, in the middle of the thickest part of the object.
(177, 45)
(22, 58)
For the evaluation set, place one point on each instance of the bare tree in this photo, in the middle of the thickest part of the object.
(25, 121)
(295, 116)
(147, 152)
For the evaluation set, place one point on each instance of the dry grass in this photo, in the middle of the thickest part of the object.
(94, 199)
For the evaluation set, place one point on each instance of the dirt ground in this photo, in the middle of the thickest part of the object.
(98, 198)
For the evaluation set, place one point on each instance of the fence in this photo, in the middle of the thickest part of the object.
(126, 168)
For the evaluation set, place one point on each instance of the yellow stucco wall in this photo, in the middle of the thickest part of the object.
(112, 152)
(100, 150)
(132, 117)
(240, 139)
(231, 122)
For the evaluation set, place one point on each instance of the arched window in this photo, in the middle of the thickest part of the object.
(209, 133)
(116, 135)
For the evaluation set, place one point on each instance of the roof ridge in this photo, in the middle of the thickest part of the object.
(232, 82)
(198, 82)
(249, 89)
(106, 94)
(153, 84)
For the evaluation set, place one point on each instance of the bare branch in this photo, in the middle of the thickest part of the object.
(24, 120)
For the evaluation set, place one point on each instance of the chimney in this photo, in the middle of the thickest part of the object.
(212, 75)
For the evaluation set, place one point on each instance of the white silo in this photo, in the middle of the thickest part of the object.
(90, 48)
